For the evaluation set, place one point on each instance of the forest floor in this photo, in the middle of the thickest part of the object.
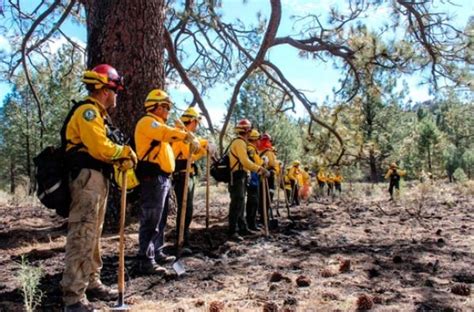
(346, 253)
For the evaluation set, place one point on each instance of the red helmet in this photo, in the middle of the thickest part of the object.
(103, 76)
(244, 125)
(266, 136)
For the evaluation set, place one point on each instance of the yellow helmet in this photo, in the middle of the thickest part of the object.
(157, 96)
(190, 114)
(132, 180)
(296, 163)
(254, 135)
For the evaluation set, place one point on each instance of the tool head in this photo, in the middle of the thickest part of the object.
(178, 267)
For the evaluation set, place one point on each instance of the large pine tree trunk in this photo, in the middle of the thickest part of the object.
(127, 34)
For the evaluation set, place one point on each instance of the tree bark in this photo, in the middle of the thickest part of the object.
(128, 35)
(373, 167)
(12, 175)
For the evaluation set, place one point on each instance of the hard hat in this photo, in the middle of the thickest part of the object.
(244, 125)
(157, 96)
(266, 136)
(393, 165)
(103, 76)
(132, 180)
(190, 114)
(254, 135)
(296, 163)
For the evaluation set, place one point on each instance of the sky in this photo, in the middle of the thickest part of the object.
(316, 78)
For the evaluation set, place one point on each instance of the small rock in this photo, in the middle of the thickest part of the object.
(397, 259)
(344, 265)
(364, 303)
(377, 299)
(276, 277)
(464, 277)
(438, 232)
(327, 273)
(216, 306)
(440, 242)
(461, 290)
(428, 283)
(199, 303)
(270, 307)
(290, 301)
(329, 296)
(273, 287)
(303, 281)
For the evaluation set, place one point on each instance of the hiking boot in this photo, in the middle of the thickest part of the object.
(161, 257)
(81, 306)
(186, 251)
(102, 292)
(149, 268)
(235, 237)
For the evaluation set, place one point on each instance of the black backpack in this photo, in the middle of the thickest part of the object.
(220, 169)
(51, 172)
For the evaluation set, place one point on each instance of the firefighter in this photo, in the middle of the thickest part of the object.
(305, 191)
(321, 178)
(240, 165)
(330, 182)
(394, 174)
(295, 176)
(253, 189)
(338, 178)
(89, 154)
(155, 166)
(191, 120)
(268, 155)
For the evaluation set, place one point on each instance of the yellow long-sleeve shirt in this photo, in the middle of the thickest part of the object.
(321, 176)
(181, 151)
(390, 172)
(149, 128)
(294, 173)
(238, 154)
(87, 127)
(253, 154)
(338, 178)
(306, 178)
(272, 160)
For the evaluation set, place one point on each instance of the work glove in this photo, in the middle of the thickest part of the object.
(265, 161)
(211, 148)
(189, 137)
(128, 154)
(195, 145)
(263, 172)
(125, 165)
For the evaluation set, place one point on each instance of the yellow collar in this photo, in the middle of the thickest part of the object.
(156, 117)
(101, 107)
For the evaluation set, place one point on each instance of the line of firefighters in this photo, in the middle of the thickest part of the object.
(160, 156)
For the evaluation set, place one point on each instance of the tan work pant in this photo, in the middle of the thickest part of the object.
(86, 217)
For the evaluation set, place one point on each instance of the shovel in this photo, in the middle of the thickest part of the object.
(178, 265)
(265, 212)
(121, 306)
(273, 223)
(286, 197)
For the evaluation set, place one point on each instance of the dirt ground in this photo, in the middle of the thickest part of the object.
(356, 251)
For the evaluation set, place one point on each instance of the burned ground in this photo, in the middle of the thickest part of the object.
(344, 254)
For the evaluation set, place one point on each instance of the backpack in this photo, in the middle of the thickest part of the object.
(51, 172)
(220, 169)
